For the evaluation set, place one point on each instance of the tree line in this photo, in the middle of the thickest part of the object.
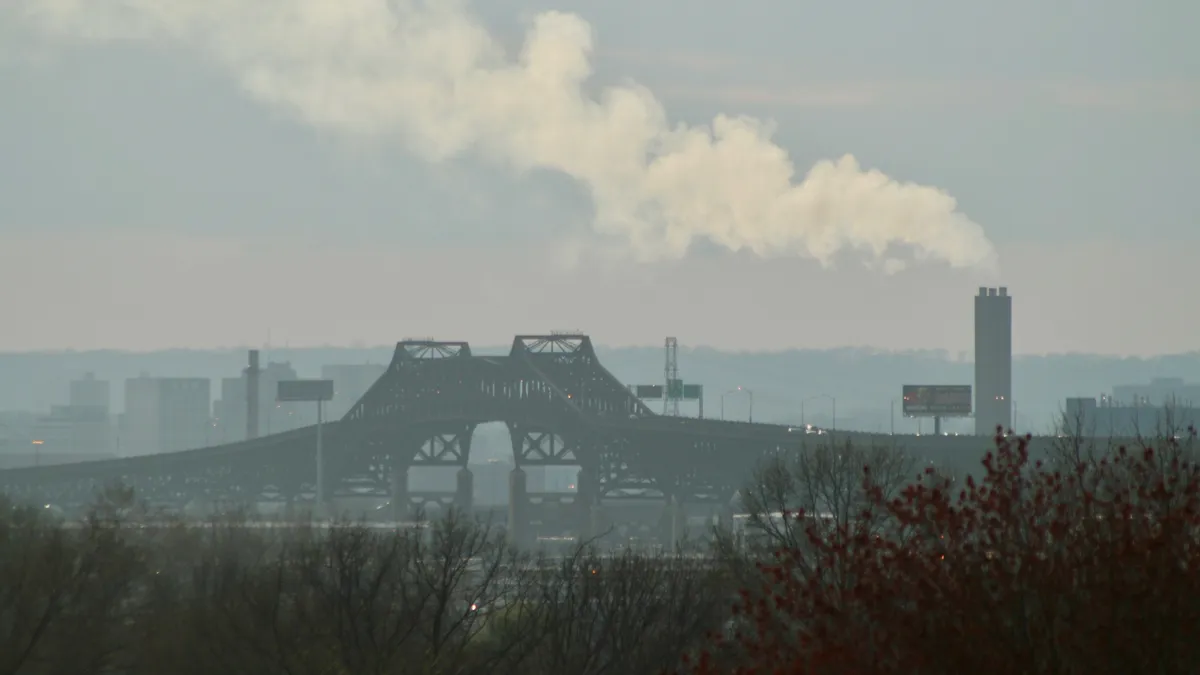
(854, 560)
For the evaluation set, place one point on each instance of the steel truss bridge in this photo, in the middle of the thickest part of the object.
(561, 406)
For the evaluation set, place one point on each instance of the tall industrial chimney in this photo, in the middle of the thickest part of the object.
(252, 374)
(993, 360)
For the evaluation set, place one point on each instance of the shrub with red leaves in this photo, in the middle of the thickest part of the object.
(1089, 568)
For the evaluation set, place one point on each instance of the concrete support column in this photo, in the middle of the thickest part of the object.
(464, 492)
(598, 524)
(673, 523)
(724, 516)
(587, 504)
(400, 493)
(518, 508)
(289, 509)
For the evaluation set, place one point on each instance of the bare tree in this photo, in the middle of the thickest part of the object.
(621, 613)
(389, 599)
(1075, 441)
(1075, 446)
(232, 609)
(133, 592)
(65, 592)
(827, 481)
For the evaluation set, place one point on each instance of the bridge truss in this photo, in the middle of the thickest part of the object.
(561, 407)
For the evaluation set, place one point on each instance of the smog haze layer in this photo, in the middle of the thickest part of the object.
(359, 171)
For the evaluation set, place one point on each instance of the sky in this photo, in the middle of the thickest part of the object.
(748, 176)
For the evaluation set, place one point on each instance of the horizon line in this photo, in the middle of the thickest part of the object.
(954, 354)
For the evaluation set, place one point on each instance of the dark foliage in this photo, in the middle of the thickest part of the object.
(1087, 567)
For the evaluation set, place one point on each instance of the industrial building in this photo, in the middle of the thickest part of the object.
(230, 412)
(993, 360)
(1165, 405)
(1161, 391)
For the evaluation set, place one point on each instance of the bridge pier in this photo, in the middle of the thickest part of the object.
(724, 518)
(464, 492)
(518, 508)
(673, 521)
(399, 501)
(588, 515)
(597, 523)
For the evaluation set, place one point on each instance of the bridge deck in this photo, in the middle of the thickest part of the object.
(432, 396)
(90, 468)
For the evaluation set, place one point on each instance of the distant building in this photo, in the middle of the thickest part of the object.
(16, 438)
(229, 411)
(84, 431)
(16, 430)
(78, 431)
(165, 414)
(1108, 417)
(350, 382)
(89, 392)
(89, 413)
(535, 478)
(491, 480)
(1161, 391)
(560, 478)
(52, 434)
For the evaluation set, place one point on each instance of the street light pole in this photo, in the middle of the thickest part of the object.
(35, 442)
(737, 391)
(317, 391)
(320, 457)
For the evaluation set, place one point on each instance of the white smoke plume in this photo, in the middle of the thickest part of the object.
(430, 75)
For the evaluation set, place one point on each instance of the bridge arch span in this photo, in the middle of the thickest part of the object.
(559, 403)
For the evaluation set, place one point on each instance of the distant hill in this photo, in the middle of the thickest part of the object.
(864, 381)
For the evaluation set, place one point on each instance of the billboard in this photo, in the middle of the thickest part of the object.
(304, 390)
(937, 400)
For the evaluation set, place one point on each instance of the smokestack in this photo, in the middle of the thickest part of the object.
(993, 360)
(252, 373)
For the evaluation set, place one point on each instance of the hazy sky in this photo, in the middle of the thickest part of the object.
(200, 172)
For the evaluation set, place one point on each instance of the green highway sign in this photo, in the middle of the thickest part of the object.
(675, 389)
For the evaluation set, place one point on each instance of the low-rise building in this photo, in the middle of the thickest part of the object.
(1107, 417)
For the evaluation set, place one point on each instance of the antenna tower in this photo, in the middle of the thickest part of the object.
(673, 387)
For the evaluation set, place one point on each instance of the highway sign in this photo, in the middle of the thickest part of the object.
(304, 390)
